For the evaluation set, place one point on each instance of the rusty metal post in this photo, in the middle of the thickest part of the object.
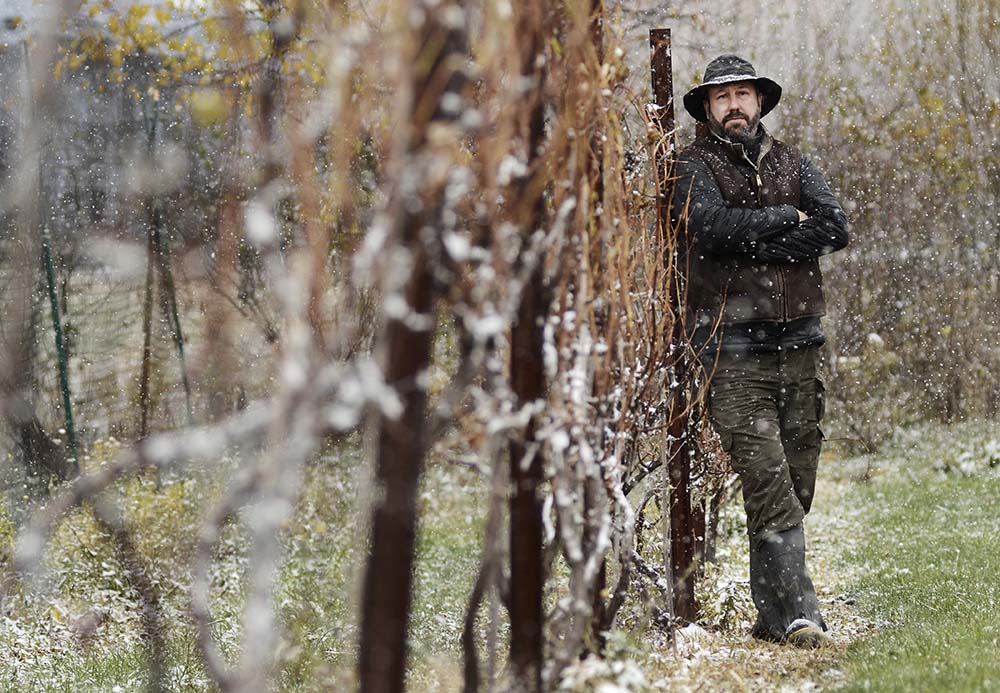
(684, 524)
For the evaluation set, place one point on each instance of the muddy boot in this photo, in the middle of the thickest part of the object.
(768, 626)
(784, 559)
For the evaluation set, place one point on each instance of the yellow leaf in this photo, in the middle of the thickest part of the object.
(57, 615)
(149, 36)
(113, 24)
(138, 11)
(162, 15)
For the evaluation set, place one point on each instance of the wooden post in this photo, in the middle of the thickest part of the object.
(684, 532)
(527, 372)
(662, 73)
(437, 56)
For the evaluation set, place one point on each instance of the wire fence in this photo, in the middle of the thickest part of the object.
(103, 315)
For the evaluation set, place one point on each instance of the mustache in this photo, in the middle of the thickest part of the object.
(735, 115)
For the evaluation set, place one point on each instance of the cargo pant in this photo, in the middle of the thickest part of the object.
(766, 408)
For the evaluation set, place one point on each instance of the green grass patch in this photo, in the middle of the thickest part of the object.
(931, 571)
(317, 594)
(921, 563)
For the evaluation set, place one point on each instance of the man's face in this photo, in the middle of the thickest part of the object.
(734, 108)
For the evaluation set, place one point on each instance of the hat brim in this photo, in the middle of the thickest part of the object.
(770, 91)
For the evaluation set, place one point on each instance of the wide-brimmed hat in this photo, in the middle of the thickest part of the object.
(724, 70)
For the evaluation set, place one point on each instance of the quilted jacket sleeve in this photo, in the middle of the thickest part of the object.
(716, 228)
(824, 232)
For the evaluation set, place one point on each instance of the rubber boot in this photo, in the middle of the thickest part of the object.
(784, 558)
(768, 626)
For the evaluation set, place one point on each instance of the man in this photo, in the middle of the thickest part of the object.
(758, 215)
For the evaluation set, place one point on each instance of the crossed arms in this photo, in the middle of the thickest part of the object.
(769, 234)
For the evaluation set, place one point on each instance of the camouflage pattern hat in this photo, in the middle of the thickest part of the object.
(724, 70)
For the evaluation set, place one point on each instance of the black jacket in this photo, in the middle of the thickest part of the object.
(748, 255)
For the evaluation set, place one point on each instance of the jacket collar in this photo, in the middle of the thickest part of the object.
(737, 150)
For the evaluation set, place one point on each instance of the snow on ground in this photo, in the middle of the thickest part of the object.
(726, 658)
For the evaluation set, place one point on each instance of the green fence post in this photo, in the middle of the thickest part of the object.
(63, 358)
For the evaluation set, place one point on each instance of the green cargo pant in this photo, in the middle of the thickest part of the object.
(766, 408)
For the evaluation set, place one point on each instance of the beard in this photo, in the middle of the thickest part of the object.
(736, 126)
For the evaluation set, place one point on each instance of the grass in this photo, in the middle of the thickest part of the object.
(904, 565)
(931, 567)
(318, 587)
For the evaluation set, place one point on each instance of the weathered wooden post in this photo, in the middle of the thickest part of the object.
(437, 55)
(527, 373)
(684, 533)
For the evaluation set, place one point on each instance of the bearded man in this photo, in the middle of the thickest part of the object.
(758, 214)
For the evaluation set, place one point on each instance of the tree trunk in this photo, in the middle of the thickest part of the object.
(527, 577)
(401, 445)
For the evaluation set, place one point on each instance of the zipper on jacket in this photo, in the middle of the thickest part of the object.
(765, 148)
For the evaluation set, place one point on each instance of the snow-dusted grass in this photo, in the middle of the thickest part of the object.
(905, 566)
(902, 548)
(76, 626)
(719, 654)
(929, 564)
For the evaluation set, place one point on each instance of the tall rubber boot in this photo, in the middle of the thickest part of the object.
(768, 625)
(784, 559)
